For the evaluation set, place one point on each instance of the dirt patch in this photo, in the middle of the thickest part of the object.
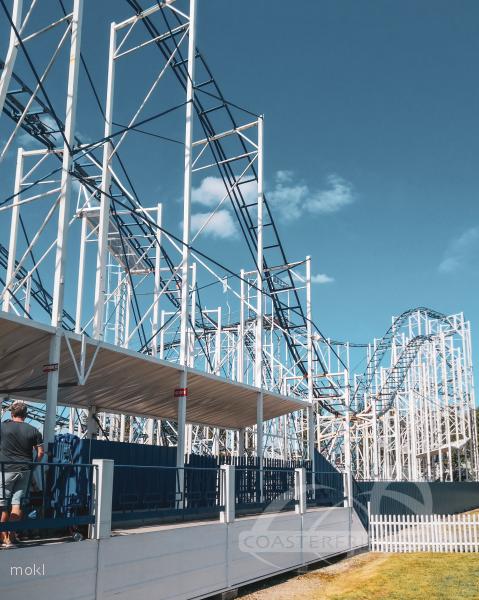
(309, 585)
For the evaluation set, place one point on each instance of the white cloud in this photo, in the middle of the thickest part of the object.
(212, 191)
(288, 198)
(291, 200)
(459, 250)
(322, 278)
(338, 195)
(219, 225)
(284, 176)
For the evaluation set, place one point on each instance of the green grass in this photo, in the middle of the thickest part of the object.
(417, 576)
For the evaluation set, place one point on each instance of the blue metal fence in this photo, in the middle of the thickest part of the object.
(58, 496)
(165, 493)
(147, 483)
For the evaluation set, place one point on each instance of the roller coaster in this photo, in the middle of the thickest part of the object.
(110, 267)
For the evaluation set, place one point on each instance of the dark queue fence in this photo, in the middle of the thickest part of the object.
(58, 498)
(167, 493)
(148, 487)
(151, 493)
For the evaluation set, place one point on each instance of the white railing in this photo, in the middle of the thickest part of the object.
(424, 533)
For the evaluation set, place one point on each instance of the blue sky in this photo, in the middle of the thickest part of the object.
(374, 103)
(371, 145)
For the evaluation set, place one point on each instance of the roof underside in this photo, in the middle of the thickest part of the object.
(125, 381)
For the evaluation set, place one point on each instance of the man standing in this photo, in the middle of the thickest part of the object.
(18, 440)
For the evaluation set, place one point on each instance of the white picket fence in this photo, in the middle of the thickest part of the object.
(424, 533)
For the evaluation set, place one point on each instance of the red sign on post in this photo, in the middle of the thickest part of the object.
(50, 368)
(181, 392)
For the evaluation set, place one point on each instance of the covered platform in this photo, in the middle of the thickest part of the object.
(118, 380)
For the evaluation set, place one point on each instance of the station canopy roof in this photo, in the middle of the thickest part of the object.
(124, 381)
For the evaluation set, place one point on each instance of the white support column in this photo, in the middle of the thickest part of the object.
(12, 246)
(447, 417)
(192, 319)
(71, 420)
(81, 274)
(188, 439)
(347, 437)
(284, 423)
(366, 451)
(375, 440)
(63, 219)
(346, 489)
(103, 497)
(11, 52)
(318, 431)
(132, 428)
(102, 418)
(122, 427)
(241, 331)
(150, 430)
(258, 357)
(215, 444)
(159, 439)
(119, 314)
(126, 328)
(413, 435)
(472, 406)
(28, 295)
(185, 266)
(104, 224)
(92, 424)
(157, 285)
(397, 442)
(241, 437)
(217, 361)
(227, 493)
(156, 307)
(259, 439)
(347, 456)
(300, 490)
(309, 334)
(427, 414)
(162, 335)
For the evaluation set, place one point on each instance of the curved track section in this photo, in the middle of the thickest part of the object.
(397, 375)
(365, 383)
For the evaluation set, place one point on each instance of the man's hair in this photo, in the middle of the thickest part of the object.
(19, 409)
